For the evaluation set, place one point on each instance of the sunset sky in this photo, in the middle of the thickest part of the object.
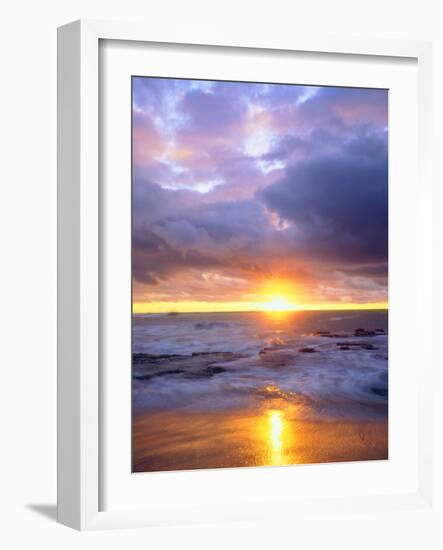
(257, 196)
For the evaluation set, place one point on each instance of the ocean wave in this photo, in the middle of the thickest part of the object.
(240, 364)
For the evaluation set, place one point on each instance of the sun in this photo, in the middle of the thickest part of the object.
(279, 303)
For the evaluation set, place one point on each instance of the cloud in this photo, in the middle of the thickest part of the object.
(337, 204)
(211, 111)
(148, 143)
(346, 106)
(174, 231)
(247, 182)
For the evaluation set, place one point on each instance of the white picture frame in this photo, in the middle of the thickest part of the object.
(80, 445)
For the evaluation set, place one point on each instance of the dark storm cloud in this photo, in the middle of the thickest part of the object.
(338, 204)
(174, 231)
(154, 259)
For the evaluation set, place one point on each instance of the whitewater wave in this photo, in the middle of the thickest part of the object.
(227, 361)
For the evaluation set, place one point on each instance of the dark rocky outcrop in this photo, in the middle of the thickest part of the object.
(198, 365)
(379, 390)
(364, 332)
(326, 334)
(356, 345)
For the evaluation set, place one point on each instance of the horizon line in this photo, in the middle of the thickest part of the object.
(378, 306)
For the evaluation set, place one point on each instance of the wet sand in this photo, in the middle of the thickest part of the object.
(183, 440)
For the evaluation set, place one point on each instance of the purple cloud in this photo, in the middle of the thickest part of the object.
(239, 181)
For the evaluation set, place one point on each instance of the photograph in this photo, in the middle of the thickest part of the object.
(259, 274)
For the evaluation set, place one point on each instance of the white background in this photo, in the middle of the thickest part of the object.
(28, 269)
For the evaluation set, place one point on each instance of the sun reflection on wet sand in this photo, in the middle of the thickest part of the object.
(275, 420)
(275, 435)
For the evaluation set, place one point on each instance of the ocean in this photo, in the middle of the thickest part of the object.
(209, 389)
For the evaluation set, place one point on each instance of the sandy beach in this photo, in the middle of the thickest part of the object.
(177, 441)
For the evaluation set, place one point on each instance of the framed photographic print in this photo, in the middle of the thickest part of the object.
(241, 261)
(260, 271)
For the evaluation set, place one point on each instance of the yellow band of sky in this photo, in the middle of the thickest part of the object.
(207, 307)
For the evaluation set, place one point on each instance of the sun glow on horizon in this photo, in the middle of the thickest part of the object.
(220, 307)
(279, 303)
(272, 295)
